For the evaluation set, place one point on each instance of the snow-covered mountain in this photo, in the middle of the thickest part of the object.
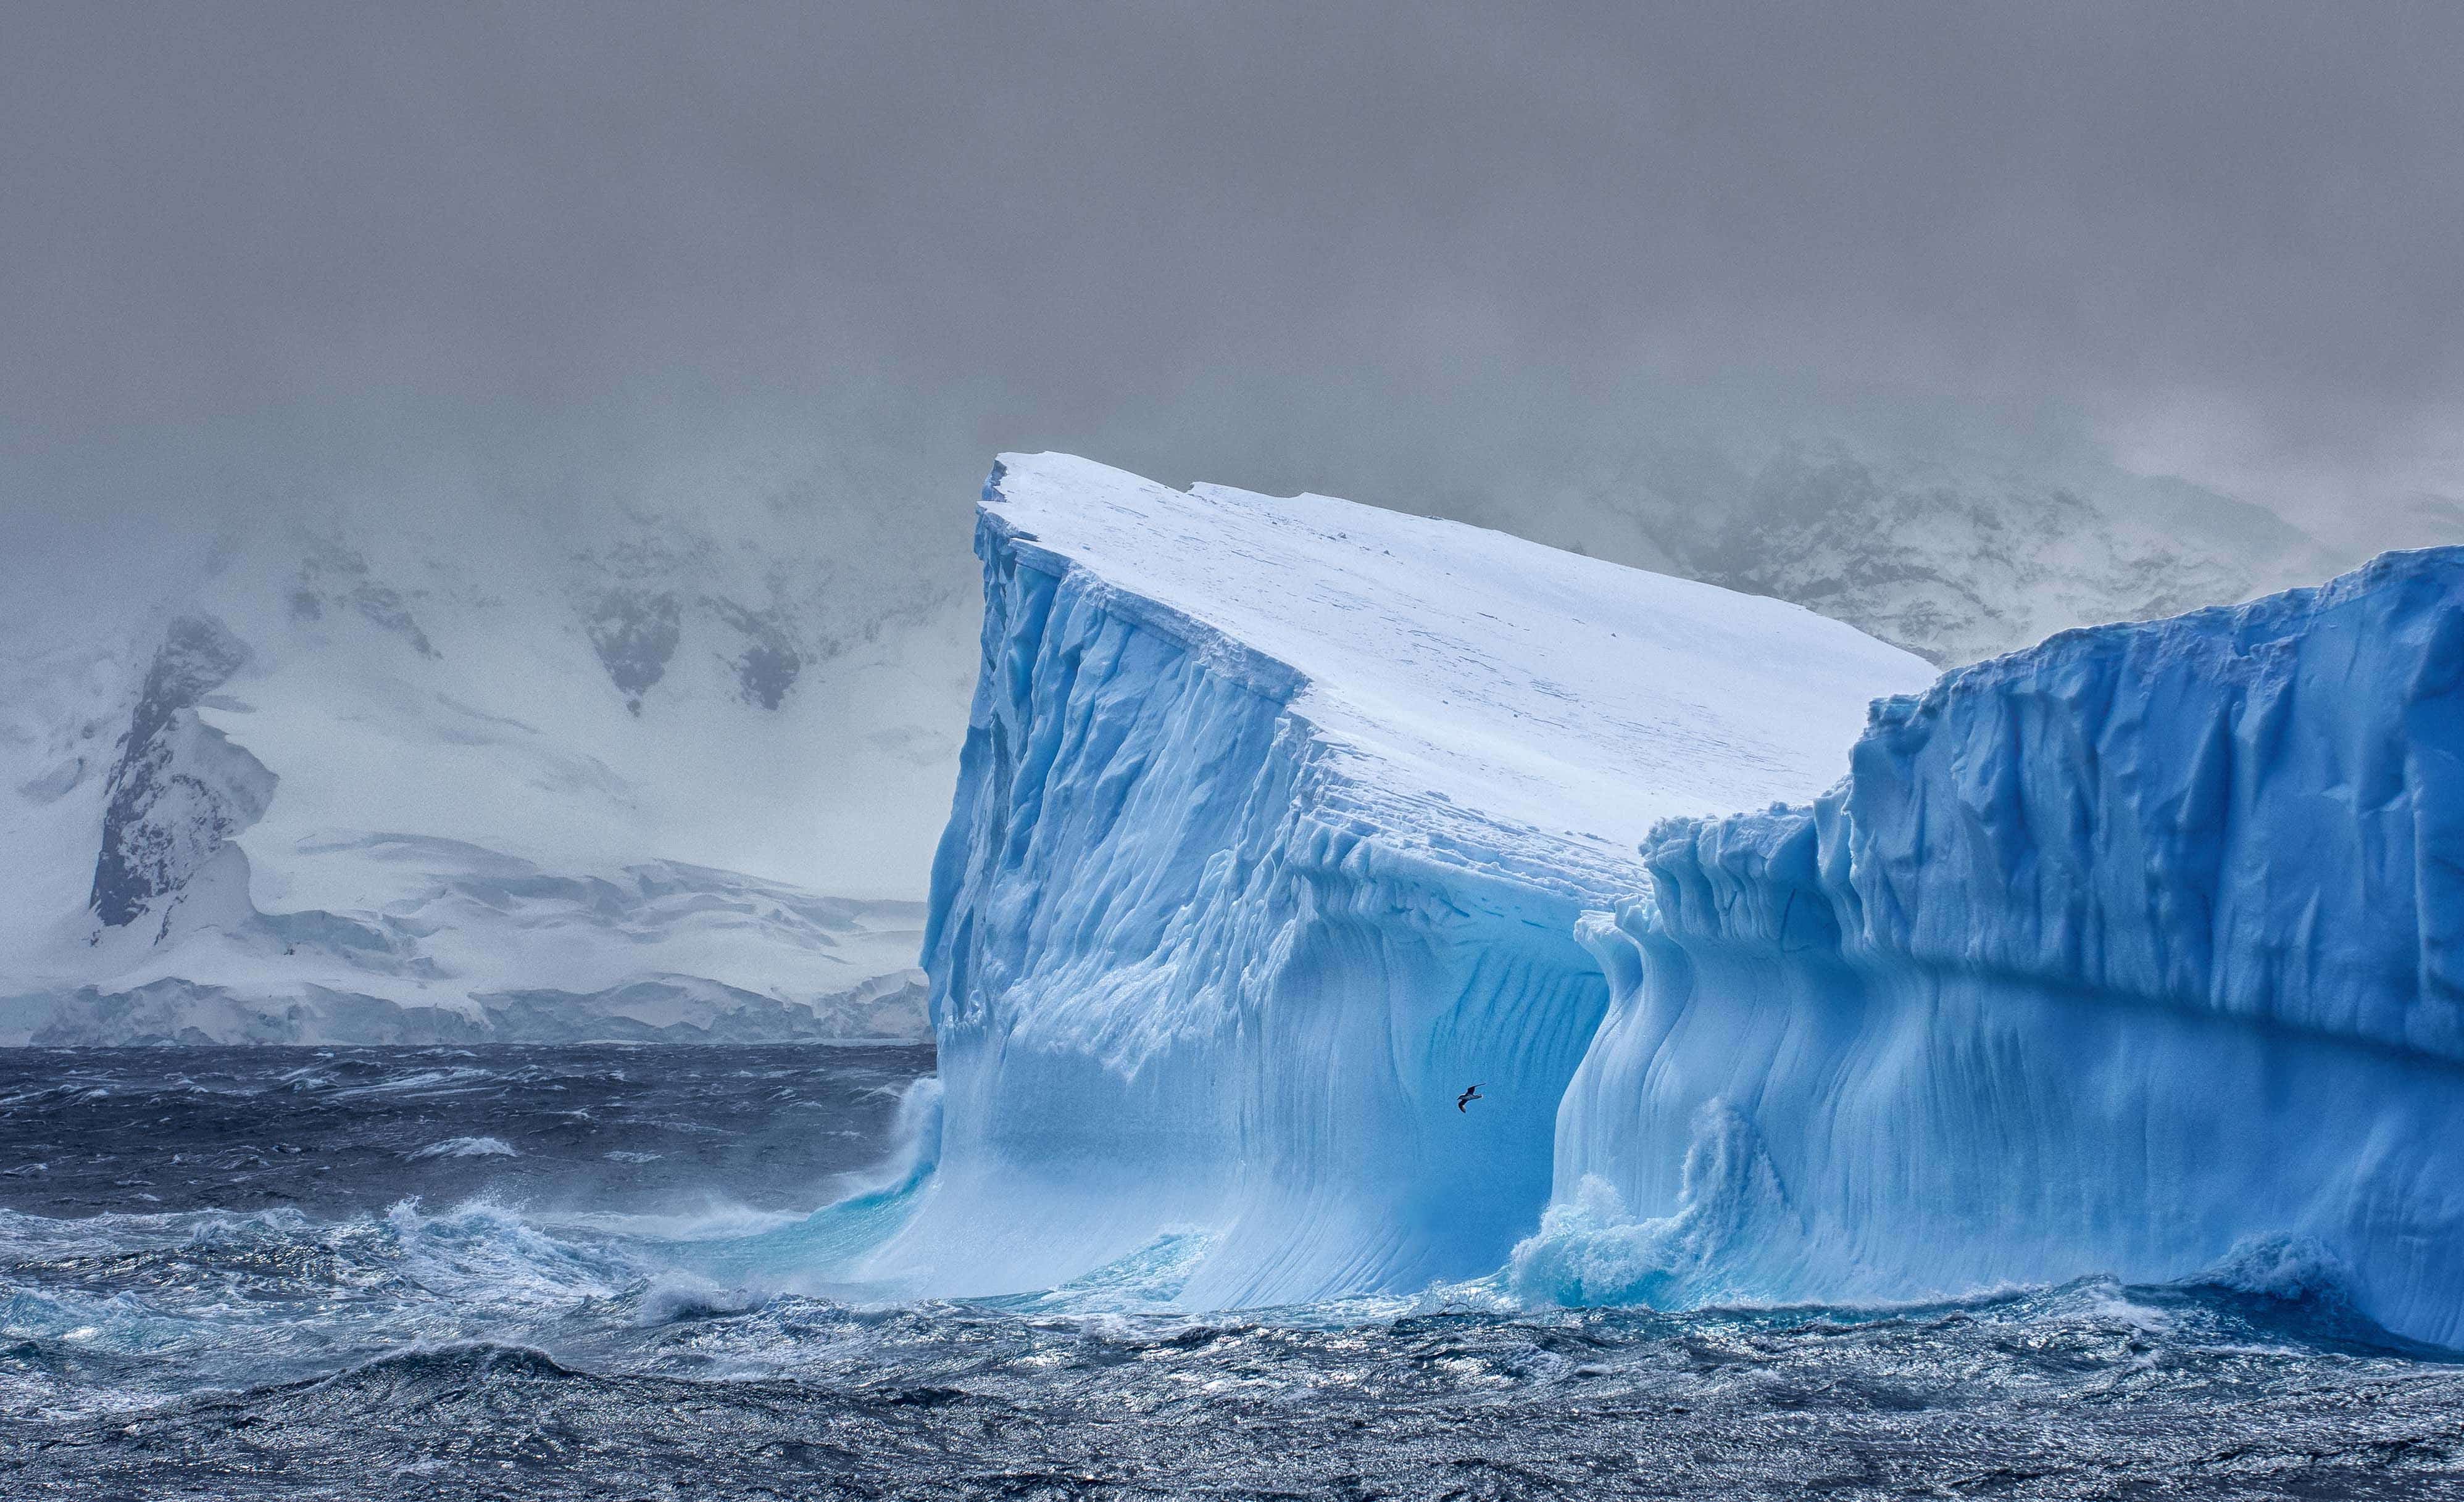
(635, 773)
(1955, 551)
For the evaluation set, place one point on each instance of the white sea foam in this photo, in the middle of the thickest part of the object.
(466, 1147)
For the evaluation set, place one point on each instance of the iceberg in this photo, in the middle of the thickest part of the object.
(1280, 822)
(1275, 823)
(2139, 953)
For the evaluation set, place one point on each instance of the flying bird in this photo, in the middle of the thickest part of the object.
(1463, 1102)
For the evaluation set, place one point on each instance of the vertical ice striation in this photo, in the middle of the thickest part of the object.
(2134, 953)
(1274, 824)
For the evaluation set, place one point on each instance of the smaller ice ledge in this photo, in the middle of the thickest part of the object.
(1272, 827)
(2140, 952)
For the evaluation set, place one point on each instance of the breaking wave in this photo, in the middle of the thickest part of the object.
(468, 1148)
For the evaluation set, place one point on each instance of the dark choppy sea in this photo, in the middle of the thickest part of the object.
(517, 1273)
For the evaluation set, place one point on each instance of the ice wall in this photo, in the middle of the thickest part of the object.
(2134, 953)
(1274, 824)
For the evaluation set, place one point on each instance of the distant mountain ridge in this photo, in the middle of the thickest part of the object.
(1954, 555)
(369, 784)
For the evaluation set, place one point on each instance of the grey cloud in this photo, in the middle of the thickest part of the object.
(1361, 230)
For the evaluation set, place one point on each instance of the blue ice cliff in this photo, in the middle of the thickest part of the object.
(1283, 820)
(1274, 824)
(2134, 953)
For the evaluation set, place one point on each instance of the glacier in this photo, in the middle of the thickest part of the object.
(1274, 824)
(2135, 953)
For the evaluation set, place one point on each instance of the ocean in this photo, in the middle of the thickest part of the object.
(615, 1272)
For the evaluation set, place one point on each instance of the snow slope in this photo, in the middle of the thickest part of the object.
(420, 776)
(1273, 826)
(2136, 953)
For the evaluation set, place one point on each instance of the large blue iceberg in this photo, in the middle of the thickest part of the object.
(1283, 820)
(1274, 824)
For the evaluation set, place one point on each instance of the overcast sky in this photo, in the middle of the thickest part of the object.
(1243, 242)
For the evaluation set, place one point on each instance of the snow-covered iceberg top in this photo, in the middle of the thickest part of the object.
(1483, 694)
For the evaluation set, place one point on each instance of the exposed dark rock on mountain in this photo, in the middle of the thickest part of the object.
(180, 789)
